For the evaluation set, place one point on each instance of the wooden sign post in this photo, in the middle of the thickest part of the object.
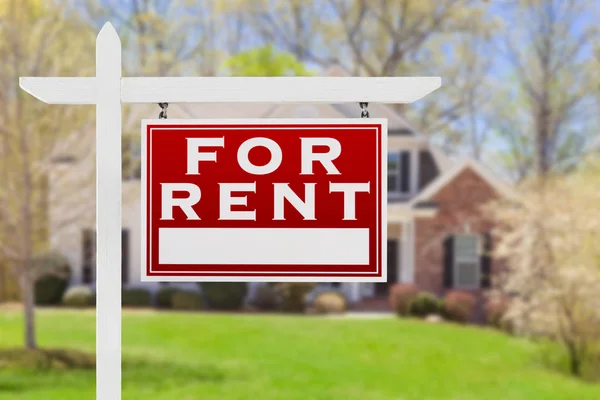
(108, 91)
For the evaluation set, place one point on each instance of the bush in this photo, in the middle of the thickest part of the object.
(136, 298)
(224, 295)
(330, 302)
(53, 273)
(164, 296)
(186, 300)
(79, 296)
(266, 298)
(495, 309)
(424, 304)
(459, 306)
(401, 295)
(293, 295)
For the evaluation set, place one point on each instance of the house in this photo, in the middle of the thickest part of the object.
(437, 234)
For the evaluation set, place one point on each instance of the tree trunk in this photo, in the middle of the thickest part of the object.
(575, 366)
(574, 359)
(28, 294)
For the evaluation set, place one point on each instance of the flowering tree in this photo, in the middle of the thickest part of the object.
(549, 239)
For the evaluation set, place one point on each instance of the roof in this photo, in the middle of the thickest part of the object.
(79, 142)
(502, 187)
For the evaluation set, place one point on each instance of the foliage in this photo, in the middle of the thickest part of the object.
(543, 103)
(34, 37)
(224, 295)
(266, 298)
(79, 296)
(459, 306)
(555, 357)
(294, 295)
(53, 273)
(265, 61)
(329, 302)
(401, 294)
(164, 296)
(392, 38)
(136, 297)
(49, 290)
(549, 240)
(424, 304)
(495, 311)
(187, 300)
(47, 359)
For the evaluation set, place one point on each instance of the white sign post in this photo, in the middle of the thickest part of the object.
(108, 90)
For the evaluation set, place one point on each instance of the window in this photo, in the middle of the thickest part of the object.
(125, 256)
(399, 174)
(467, 268)
(88, 265)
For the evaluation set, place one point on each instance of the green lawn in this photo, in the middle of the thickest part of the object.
(200, 356)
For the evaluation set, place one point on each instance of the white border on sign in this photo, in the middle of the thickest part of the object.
(281, 275)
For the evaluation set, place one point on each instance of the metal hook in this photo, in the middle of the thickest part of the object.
(163, 111)
(364, 113)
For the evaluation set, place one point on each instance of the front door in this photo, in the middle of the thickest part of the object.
(382, 289)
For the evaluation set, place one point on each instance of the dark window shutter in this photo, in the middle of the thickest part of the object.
(88, 255)
(125, 256)
(405, 172)
(449, 262)
(486, 260)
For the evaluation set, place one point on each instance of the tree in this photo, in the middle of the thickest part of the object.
(170, 37)
(33, 36)
(548, 46)
(165, 38)
(548, 239)
(389, 38)
(264, 61)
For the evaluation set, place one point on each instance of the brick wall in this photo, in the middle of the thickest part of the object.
(459, 204)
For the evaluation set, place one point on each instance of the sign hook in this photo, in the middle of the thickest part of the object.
(364, 113)
(163, 110)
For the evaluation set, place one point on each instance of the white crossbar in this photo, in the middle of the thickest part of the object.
(237, 89)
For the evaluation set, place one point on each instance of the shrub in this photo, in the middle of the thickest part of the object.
(186, 300)
(266, 297)
(293, 295)
(79, 296)
(424, 304)
(330, 302)
(52, 273)
(224, 295)
(401, 295)
(459, 306)
(164, 296)
(137, 297)
(495, 310)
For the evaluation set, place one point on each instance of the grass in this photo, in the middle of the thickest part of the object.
(202, 356)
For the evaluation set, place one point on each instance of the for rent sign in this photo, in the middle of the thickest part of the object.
(264, 200)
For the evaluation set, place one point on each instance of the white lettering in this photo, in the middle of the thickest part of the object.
(168, 202)
(272, 165)
(227, 200)
(326, 159)
(194, 156)
(306, 208)
(349, 190)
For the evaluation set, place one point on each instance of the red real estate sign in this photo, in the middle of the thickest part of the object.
(264, 200)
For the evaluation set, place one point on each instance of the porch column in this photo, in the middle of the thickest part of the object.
(354, 291)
